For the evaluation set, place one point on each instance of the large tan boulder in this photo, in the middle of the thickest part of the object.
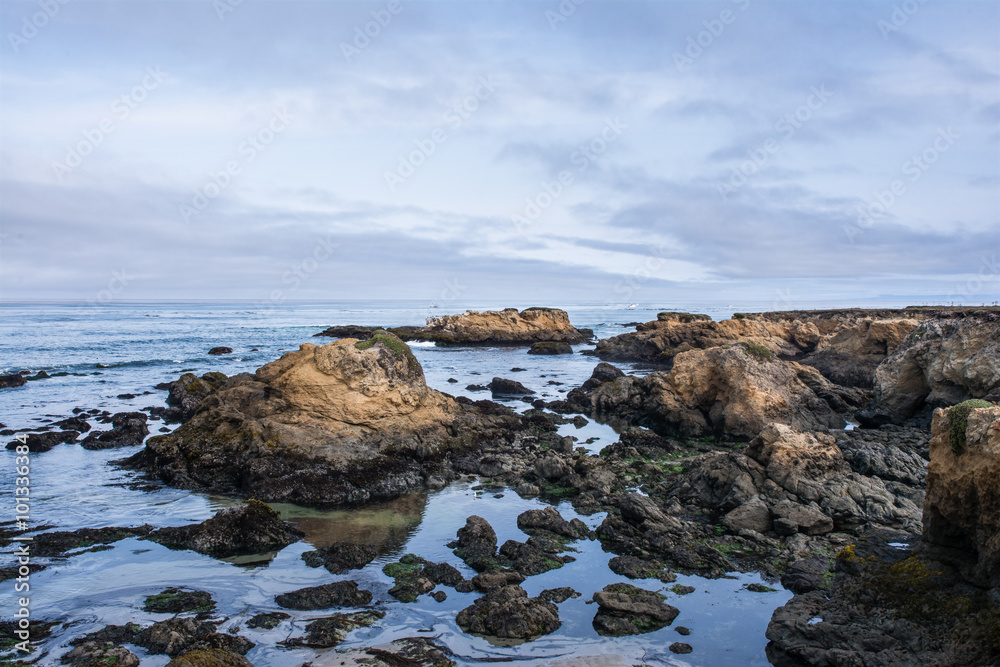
(732, 391)
(503, 327)
(350, 421)
(942, 362)
(962, 504)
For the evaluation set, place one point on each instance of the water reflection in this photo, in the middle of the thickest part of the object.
(386, 526)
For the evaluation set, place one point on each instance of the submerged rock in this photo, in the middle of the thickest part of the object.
(268, 620)
(330, 631)
(177, 601)
(249, 528)
(58, 543)
(210, 657)
(509, 613)
(44, 441)
(628, 610)
(406, 652)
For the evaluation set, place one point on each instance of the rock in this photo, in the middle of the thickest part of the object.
(681, 630)
(187, 393)
(177, 601)
(128, 429)
(249, 528)
(680, 589)
(942, 362)
(73, 424)
(341, 557)
(175, 636)
(268, 620)
(324, 596)
(680, 647)
(638, 568)
(962, 506)
(98, 654)
(502, 387)
(603, 372)
(717, 391)
(43, 442)
(484, 582)
(558, 595)
(806, 574)
(14, 380)
(628, 610)
(330, 631)
(477, 544)
(549, 519)
(506, 327)
(476, 387)
(415, 576)
(58, 543)
(509, 613)
(210, 657)
(850, 356)
(346, 422)
(550, 347)
(751, 515)
(406, 652)
(221, 350)
(551, 468)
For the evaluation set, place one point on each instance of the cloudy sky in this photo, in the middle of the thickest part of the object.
(433, 150)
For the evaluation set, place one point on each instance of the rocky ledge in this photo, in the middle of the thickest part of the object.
(488, 328)
(347, 422)
(899, 600)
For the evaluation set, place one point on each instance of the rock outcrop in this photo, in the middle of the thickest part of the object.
(731, 392)
(962, 505)
(509, 613)
(942, 362)
(345, 422)
(249, 528)
(487, 328)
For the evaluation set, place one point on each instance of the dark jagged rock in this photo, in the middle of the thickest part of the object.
(44, 441)
(603, 372)
(220, 350)
(177, 601)
(528, 559)
(324, 596)
(638, 568)
(484, 582)
(628, 610)
(172, 637)
(680, 648)
(73, 424)
(58, 543)
(550, 347)
(13, 380)
(558, 595)
(330, 631)
(341, 557)
(807, 574)
(477, 544)
(128, 429)
(187, 393)
(99, 654)
(415, 576)
(249, 528)
(549, 519)
(509, 613)
(503, 387)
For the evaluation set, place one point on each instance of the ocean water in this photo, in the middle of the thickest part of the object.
(109, 352)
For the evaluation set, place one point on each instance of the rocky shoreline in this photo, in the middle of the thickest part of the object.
(732, 456)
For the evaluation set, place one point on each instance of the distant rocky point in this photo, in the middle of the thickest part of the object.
(506, 327)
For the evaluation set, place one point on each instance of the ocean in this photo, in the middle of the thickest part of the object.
(111, 357)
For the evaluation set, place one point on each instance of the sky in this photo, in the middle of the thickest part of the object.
(612, 151)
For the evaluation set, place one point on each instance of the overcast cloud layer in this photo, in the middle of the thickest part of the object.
(613, 151)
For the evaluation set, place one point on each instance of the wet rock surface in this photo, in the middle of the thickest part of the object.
(128, 429)
(210, 657)
(177, 601)
(509, 613)
(330, 631)
(171, 637)
(58, 543)
(415, 576)
(324, 596)
(249, 528)
(341, 557)
(550, 347)
(625, 609)
(100, 654)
